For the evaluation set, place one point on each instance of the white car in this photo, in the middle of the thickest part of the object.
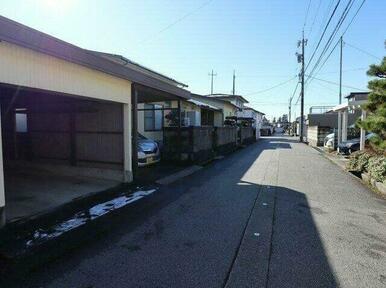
(329, 141)
(148, 151)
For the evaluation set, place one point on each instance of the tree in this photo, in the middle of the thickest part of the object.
(376, 106)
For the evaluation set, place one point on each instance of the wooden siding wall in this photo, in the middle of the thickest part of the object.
(99, 131)
(78, 132)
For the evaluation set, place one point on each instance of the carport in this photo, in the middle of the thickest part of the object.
(56, 148)
(355, 102)
(142, 94)
(67, 117)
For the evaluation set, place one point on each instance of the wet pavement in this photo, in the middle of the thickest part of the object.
(275, 214)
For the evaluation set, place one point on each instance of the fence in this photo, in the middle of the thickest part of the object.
(200, 144)
(247, 135)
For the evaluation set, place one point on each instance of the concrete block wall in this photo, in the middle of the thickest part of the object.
(246, 135)
(316, 135)
(202, 138)
(226, 135)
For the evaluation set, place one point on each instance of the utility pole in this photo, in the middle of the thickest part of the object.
(211, 83)
(340, 70)
(289, 116)
(234, 83)
(303, 42)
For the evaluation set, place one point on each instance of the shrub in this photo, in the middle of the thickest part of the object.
(358, 161)
(377, 168)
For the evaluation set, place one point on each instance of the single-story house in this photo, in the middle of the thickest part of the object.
(237, 100)
(254, 114)
(153, 117)
(227, 107)
(68, 119)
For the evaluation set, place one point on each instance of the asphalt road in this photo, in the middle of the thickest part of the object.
(275, 214)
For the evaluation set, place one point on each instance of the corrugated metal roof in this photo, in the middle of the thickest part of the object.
(127, 62)
(201, 104)
(225, 96)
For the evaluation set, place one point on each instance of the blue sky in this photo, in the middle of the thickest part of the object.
(187, 39)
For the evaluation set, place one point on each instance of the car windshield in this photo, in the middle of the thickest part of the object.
(370, 135)
(141, 137)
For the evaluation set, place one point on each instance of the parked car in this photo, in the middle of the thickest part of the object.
(329, 142)
(148, 151)
(350, 146)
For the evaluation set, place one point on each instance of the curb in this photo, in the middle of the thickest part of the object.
(364, 178)
(26, 248)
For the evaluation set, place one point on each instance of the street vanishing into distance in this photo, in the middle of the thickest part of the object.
(274, 214)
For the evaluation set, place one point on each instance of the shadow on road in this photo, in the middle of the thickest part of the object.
(298, 256)
(214, 197)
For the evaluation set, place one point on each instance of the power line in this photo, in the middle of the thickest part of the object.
(334, 32)
(363, 51)
(347, 70)
(334, 83)
(324, 32)
(344, 15)
(329, 55)
(325, 17)
(296, 87)
(270, 88)
(352, 19)
(316, 14)
(308, 10)
(176, 21)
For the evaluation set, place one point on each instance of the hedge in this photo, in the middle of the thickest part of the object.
(373, 164)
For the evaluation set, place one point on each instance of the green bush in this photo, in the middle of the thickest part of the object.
(376, 168)
(371, 163)
(358, 161)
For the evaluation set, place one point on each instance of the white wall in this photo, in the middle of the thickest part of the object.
(29, 68)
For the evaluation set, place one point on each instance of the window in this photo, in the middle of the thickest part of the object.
(21, 123)
(207, 117)
(153, 118)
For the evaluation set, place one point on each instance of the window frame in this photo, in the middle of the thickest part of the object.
(152, 118)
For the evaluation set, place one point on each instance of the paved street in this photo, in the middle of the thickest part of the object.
(275, 214)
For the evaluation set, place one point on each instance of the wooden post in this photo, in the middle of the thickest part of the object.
(73, 134)
(127, 148)
(134, 130)
(179, 138)
(2, 188)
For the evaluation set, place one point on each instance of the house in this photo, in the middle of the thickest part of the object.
(68, 119)
(257, 116)
(226, 106)
(352, 109)
(236, 100)
(324, 120)
(153, 117)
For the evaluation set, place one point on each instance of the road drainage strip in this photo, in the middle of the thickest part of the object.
(20, 245)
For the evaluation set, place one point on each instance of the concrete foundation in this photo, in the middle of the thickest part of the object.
(31, 193)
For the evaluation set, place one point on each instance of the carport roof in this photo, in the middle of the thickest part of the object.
(203, 105)
(19, 34)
